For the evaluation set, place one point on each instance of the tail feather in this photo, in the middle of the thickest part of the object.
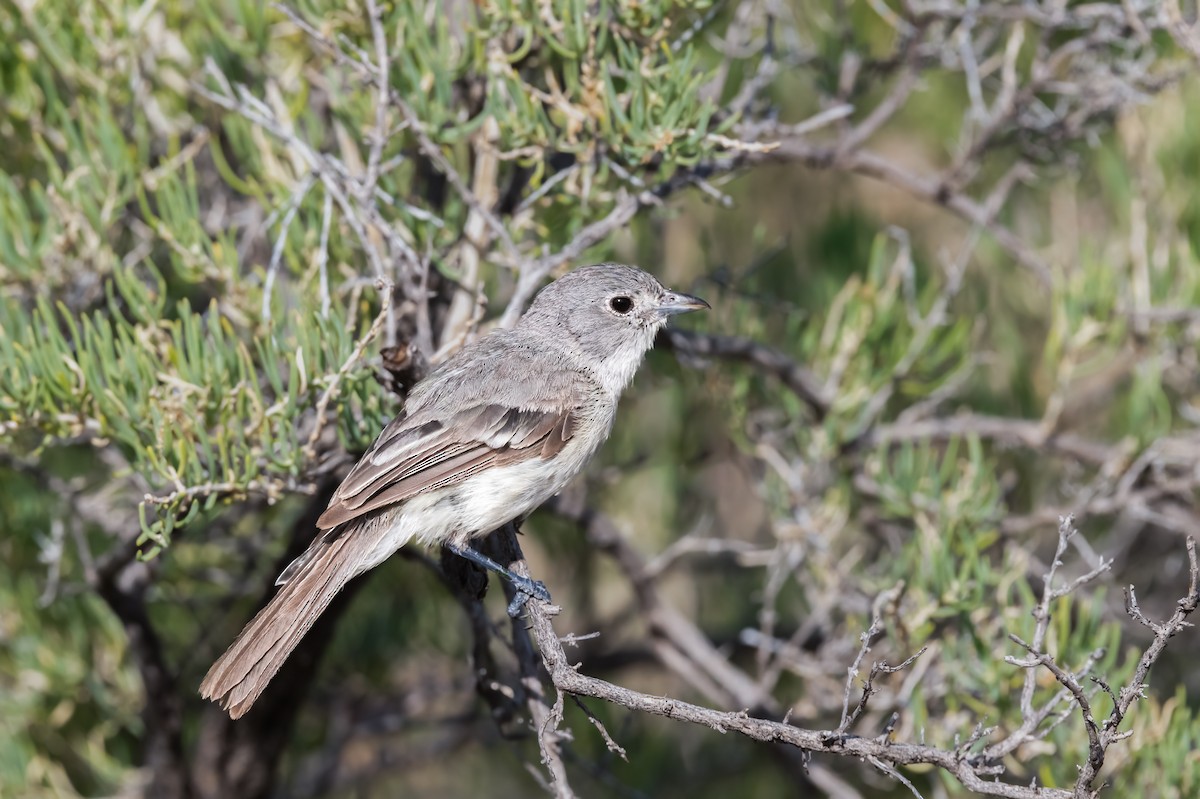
(239, 676)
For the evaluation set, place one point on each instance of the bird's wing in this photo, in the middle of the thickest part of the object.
(418, 453)
(413, 454)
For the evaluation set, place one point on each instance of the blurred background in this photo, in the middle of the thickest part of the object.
(951, 249)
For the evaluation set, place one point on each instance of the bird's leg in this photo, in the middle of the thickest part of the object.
(526, 587)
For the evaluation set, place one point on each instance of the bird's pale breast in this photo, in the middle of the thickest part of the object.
(486, 501)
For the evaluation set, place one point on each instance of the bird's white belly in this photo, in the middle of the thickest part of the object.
(470, 509)
(486, 501)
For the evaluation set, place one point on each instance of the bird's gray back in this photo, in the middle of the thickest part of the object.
(506, 367)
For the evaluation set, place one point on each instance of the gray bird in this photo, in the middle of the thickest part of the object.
(494, 432)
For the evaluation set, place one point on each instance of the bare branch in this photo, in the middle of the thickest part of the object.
(1012, 432)
(869, 164)
(545, 718)
(612, 745)
(323, 254)
(533, 273)
(379, 135)
(569, 680)
(428, 147)
(866, 638)
(293, 205)
(803, 383)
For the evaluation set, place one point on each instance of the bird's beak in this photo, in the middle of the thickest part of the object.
(673, 303)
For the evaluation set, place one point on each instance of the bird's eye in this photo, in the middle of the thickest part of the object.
(620, 304)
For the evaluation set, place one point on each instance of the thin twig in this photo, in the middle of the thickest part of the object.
(866, 639)
(801, 381)
(532, 273)
(569, 680)
(277, 252)
(612, 745)
(385, 290)
(323, 255)
(379, 136)
(427, 146)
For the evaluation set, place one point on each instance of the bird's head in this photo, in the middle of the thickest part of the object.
(608, 315)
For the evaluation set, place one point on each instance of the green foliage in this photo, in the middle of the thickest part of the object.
(208, 405)
(183, 399)
(620, 88)
(892, 338)
(133, 310)
(69, 719)
(139, 221)
(1165, 764)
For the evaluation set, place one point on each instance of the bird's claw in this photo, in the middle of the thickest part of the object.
(527, 589)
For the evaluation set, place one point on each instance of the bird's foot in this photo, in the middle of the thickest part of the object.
(527, 589)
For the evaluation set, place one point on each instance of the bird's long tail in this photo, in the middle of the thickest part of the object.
(239, 676)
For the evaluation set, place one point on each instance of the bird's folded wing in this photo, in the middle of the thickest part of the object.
(417, 454)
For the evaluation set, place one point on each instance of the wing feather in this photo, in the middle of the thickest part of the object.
(415, 454)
